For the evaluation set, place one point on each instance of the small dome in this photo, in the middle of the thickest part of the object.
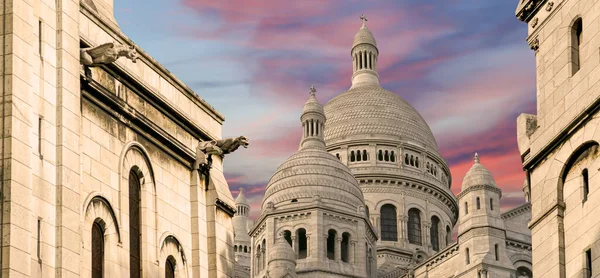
(241, 199)
(283, 251)
(364, 35)
(477, 175)
(312, 105)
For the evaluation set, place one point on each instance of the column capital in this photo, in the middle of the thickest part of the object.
(293, 237)
(338, 239)
(403, 218)
(353, 241)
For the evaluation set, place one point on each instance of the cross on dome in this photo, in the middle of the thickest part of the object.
(364, 19)
(476, 158)
(313, 90)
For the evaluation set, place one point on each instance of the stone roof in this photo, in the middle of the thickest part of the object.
(364, 35)
(283, 251)
(477, 175)
(370, 109)
(241, 199)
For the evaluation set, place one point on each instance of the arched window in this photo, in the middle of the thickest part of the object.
(576, 42)
(467, 258)
(338, 156)
(258, 259)
(448, 235)
(586, 185)
(235, 248)
(302, 246)
(380, 158)
(393, 157)
(466, 208)
(331, 244)
(414, 226)
(412, 160)
(386, 156)
(406, 160)
(288, 237)
(491, 204)
(358, 156)
(170, 267)
(345, 248)
(97, 250)
(245, 249)
(360, 59)
(389, 227)
(264, 254)
(434, 232)
(352, 156)
(478, 203)
(134, 225)
(365, 155)
(496, 251)
(524, 272)
(417, 162)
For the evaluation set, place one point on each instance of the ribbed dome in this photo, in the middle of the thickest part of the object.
(369, 110)
(477, 175)
(241, 199)
(364, 35)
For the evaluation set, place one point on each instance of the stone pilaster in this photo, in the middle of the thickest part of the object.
(338, 248)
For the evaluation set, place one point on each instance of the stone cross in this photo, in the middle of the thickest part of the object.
(363, 18)
(476, 158)
(313, 90)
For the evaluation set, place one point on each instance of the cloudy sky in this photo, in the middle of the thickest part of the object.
(463, 64)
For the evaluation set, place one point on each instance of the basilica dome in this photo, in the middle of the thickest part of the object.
(312, 175)
(370, 110)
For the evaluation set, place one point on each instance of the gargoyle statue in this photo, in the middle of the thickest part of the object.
(106, 54)
(217, 147)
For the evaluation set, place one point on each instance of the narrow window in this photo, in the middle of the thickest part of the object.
(414, 226)
(380, 157)
(467, 259)
(288, 237)
(338, 156)
(312, 128)
(352, 156)
(360, 59)
(466, 208)
(97, 250)
(345, 248)
(302, 246)
(576, 41)
(40, 137)
(496, 251)
(245, 249)
(588, 263)
(235, 248)
(170, 267)
(134, 226)
(358, 156)
(39, 242)
(386, 156)
(331, 244)
(40, 37)
(365, 155)
(392, 157)
(478, 203)
(264, 254)
(412, 160)
(417, 162)
(586, 184)
(433, 231)
(389, 226)
(491, 204)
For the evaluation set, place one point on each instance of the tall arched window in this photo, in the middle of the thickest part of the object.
(235, 248)
(434, 232)
(496, 251)
(386, 156)
(358, 156)
(331, 244)
(302, 246)
(417, 162)
(134, 225)
(414, 226)
(365, 155)
(360, 59)
(406, 160)
(264, 254)
(586, 184)
(478, 203)
(389, 227)
(466, 208)
(491, 204)
(257, 261)
(288, 237)
(97, 250)
(352, 156)
(345, 247)
(393, 157)
(245, 249)
(170, 267)
(576, 42)
(467, 257)
(448, 235)
(380, 158)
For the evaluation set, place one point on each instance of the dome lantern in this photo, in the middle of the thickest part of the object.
(364, 56)
(313, 123)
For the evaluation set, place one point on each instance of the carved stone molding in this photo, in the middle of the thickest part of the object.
(534, 44)
(549, 6)
(534, 22)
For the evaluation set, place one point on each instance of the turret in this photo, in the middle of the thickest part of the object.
(364, 56)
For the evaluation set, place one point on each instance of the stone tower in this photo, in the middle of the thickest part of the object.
(242, 241)
(559, 144)
(315, 204)
(283, 262)
(393, 154)
(481, 231)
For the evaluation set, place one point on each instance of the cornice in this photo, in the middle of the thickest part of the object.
(479, 187)
(528, 8)
(225, 207)
(517, 211)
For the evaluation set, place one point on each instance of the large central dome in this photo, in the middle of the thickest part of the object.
(367, 110)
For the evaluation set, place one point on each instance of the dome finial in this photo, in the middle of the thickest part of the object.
(476, 158)
(364, 19)
(312, 90)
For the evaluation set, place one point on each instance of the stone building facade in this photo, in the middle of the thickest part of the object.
(100, 158)
(559, 144)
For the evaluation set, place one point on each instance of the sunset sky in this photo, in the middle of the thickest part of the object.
(464, 65)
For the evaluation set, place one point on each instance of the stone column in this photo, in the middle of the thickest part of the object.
(338, 248)
(264, 259)
(404, 229)
(324, 247)
(426, 226)
(307, 246)
(376, 225)
(352, 251)
(295, 245)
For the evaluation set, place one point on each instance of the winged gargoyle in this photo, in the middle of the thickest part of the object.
(206, 149)
(106, 54)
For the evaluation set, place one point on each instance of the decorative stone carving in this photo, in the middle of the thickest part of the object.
(534, 22)
(105, 54)
(549, 6)
(270, 206)
(534, 44)
(206, 149)
(317, 200)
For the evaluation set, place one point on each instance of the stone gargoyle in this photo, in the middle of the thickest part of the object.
(106, 54)
(217, 147)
